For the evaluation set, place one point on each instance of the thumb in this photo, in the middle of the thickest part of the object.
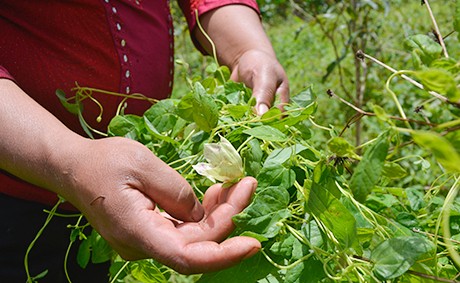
(172, 193)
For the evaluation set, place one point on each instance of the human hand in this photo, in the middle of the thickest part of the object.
(117, 184)
(262, 72)
(241, 44)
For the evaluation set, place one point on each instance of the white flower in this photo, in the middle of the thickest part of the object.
(224, 162)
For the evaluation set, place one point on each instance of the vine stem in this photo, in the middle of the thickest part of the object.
(304, 258)
(66, 258)
(415, 230)
(446, 221)
(213, 45)
(119, 272)
(205, 34)
(416, 273)
(395, 98)
(365, 113)
(360, 54)
(31, 245)
(436, 28)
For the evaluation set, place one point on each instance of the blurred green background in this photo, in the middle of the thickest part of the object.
(316, 42)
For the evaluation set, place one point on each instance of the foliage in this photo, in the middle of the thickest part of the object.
(328, 207)
(323, 211)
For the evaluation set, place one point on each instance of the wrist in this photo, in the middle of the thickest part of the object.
(234, 30)
(66, 157)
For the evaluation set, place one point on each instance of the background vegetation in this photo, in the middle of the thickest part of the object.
(317, 42)
(358, 179)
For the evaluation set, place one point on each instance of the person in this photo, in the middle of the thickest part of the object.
(123, 46)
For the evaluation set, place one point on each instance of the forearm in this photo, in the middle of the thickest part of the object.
(234, 29)
(33, 142)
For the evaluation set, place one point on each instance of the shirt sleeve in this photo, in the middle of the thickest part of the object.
(190, 8)
(4, 74)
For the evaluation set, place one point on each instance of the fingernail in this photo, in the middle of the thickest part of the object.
(197, 211)
(254, 186)
(262, 109)
(251, 253)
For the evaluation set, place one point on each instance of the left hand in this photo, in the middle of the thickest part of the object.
(262, 72)
(242, 44)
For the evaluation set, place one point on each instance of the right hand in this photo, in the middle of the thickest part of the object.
(117, 183)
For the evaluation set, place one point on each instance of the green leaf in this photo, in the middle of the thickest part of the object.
(308, 271)
(361, 221)
(378, 201)
(281, 155)
(333, 214)
(73, 108)
(236, 92)
(424, 47)
(283, 247)
(369, 169)
(84, 125)
(185, 107)
(304, 128)
(440, 147)
(222, 74)
(41, 275)
(416, 198)
(154, 132)
(248, 271)
(449, 64)
(440, 81)
(125, 126)
(266, 133)
(273, 114)
(94, 248)
(205, 110)
(256, 236)
(101, 250)
(275, 175)
(160, 108)
(313, 233)
(294, 118)
(395, 256)
(163, 117)
(267, 209)
(304, 98)
(147, 271)
(84, 253)
(393, 171)
(454, 138)
(252, 157)
(408, 220)
(237, 111)
(341, 147)
(380, 113)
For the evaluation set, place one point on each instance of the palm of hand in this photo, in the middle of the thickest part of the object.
(120, 198)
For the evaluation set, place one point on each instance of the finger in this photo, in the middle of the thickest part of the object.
(283, 92)
(264, 92)
(211, 198)
(234, 76)
(171, 192)
(210, 256)
(157, 238)
(218, 224)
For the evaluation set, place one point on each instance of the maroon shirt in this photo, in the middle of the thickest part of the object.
(123, 46)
